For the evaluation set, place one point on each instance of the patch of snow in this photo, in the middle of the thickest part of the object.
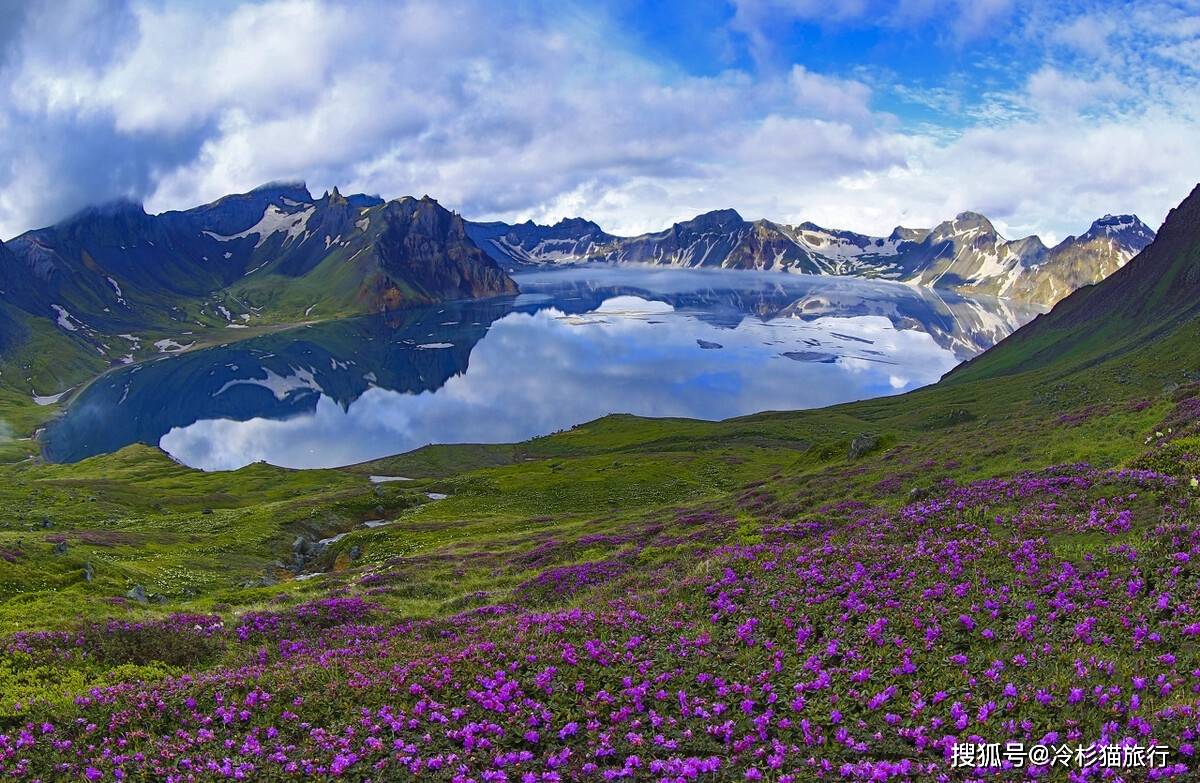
(64, 318)
(49, 399)
(428, 346)
(255, 269)
(117, 288)
(273, 220)
(170, 346)
(386, 479)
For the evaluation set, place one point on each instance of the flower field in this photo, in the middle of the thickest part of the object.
(857, 642)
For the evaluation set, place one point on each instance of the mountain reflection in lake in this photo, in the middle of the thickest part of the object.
(575, 345)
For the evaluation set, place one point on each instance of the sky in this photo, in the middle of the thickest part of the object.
(1042, 115)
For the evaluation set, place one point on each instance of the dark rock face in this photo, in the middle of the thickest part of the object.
(425, 246)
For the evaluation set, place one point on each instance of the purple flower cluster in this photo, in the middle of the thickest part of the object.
(1059, 606)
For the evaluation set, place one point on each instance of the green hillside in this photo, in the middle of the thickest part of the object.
(1005, 554)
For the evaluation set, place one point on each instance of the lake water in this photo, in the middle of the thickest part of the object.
(576, 344)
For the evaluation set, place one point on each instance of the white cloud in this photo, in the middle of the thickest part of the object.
(829, 96)
(1088, 33)
(513, 114)
(1057, 95)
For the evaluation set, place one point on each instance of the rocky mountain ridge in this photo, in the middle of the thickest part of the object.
(116, 266)
(966, 254)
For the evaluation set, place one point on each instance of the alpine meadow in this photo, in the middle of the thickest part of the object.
(511, 452)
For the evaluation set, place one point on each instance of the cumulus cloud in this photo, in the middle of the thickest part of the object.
(550, 111)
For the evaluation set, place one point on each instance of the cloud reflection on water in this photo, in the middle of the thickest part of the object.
(537, 373)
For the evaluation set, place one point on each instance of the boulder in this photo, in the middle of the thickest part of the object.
(863, 444)
(137, 593)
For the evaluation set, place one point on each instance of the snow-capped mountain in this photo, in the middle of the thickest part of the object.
(276, 249)
(529, 243)
(966, 253)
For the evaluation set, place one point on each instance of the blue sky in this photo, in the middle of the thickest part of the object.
(1043, 115)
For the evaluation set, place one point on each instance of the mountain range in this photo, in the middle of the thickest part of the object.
(116, 284)
(1150, 306)
(273, 249)
(967, 253)
(113, 284)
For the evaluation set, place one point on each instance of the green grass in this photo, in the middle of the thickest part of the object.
(205, 541)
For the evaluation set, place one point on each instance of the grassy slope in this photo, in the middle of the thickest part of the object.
(601, 477)
(193, 539)
(514, 511)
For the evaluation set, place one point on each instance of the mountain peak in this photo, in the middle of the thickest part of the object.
(296, 190)
(716, 219)
(576, 224)
(335, 197)
(902, 234)
(117, 208)
(971, 219)
(964, 224)
(1119, 224)
(361, 200)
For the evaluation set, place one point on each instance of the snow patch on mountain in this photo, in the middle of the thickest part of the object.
(273, 221)
(65, 320)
